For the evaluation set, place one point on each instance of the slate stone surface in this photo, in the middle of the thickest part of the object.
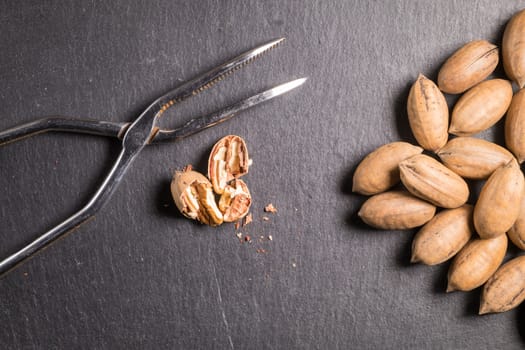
(139, 276)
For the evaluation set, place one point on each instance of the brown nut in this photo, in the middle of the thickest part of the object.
(505, 289)
(235, 201)
(468, 66)
(228, 160)
(513, 48)
(396, 210)
(379, 170)
(517, 231)
(443, 236)
(427, 114)
(499, 201)
(193, 196)
(481, 107)
(475, 263)
(430, 180)
(473, 158)
(515, 126)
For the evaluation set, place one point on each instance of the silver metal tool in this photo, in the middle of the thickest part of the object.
(136, 135)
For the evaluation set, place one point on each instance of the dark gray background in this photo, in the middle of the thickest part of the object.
(139, 276)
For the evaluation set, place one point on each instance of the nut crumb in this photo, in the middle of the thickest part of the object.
(262, 251)
(237, 225)
(270, 208)
(294, 264)
(248, 219)
(265, 218)
(247, 238)
(270, 238)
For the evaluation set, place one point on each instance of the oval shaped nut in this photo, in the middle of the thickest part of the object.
(379, 170)
(475, 263)
(443, 237)
(515, 126)
(481, 107)
(228, 160)
(473, 158)
(430, 180)
(427, 114)
(193, 195)
(513, 48)
(499, 201)
(469, 65)
(396, 210)
(505, 289)
(235, 201)
(517, 231)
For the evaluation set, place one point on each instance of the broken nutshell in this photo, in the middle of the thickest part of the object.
(228, 161)
(193, 195)
(196, 196)
(235, 201)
